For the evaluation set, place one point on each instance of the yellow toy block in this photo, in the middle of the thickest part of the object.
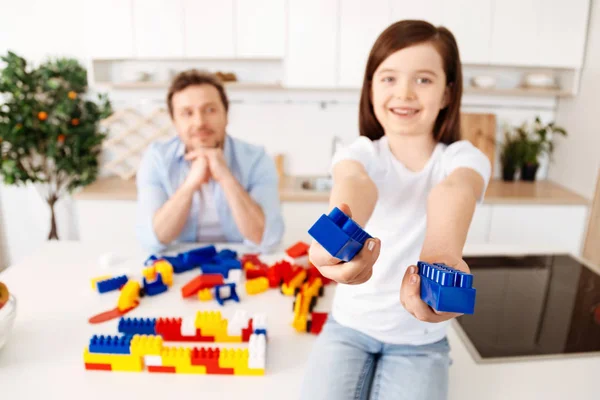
(145, 345)
(149, 273)
(248, 265)
(238, 360)
(180, 358)
(205, 295)
(129, 296)
(118, 362)
(257, 285)
(166, 270)
(98, 279)
(210, 322)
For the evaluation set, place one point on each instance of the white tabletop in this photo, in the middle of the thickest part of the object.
(44, 355)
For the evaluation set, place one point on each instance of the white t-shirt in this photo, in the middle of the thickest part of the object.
(209, 227)
(399, 220)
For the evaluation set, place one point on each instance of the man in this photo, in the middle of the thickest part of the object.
(204, 185)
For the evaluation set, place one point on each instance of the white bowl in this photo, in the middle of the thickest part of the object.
(7, 319)
(539, 80)
(483, 81)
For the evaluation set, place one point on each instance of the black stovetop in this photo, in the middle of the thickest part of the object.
(533, 305)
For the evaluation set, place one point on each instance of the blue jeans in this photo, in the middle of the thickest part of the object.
(346, 364)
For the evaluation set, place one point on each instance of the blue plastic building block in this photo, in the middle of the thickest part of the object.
(111, 284)
(156, 287)
(226, 254)
(110, 344)
(199, 256)
(140, 326)
(339, 234)
(150, 260)
(178, 263)
(446, 289)
(222, 267)
(260, 332)
(232, 296)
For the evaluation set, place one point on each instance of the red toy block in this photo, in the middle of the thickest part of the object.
(252, 257)
(209, 358)
(298, 250)
(279, 272)
(170, 330)
(98, 367)
(205, 281)
(318, 320)
(160, 368)
(246, 332)
(257, 272)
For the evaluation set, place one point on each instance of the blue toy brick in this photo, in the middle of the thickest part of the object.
(446, 289)
(139, 326)
(339, 234)
(150, 260)
(260, 332)
(226, 254)
(110, 344)
(111, 284)
(233, 296)
(199, 256)
(222, 267)
(156, 287)
(179, 264)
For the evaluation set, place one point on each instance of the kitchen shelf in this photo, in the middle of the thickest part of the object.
(532, 92)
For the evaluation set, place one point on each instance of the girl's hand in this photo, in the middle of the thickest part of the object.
(354, 272)
(410, 294)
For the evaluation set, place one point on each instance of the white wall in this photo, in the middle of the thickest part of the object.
(577, 157)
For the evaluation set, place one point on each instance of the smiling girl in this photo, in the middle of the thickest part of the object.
(414, 185)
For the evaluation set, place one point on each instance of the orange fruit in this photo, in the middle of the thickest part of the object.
(72, 95)
(75, 121)
(61, 138)
(3, 294)
(42, 115)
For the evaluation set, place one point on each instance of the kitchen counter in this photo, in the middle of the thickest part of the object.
(498, 192)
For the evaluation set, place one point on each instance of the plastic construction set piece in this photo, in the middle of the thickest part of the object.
(446, 289)
(141, 326)
(221, 266)
(111, 284)
(339, 234)
(226, 292)
(156, 287)
(146, 352)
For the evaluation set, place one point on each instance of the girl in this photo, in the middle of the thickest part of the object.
(414, 186)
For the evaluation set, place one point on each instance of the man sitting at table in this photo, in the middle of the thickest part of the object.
(204, 185)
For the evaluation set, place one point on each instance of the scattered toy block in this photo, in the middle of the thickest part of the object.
(226, 292)
(204, 281)
(111, 284)
(257, 285)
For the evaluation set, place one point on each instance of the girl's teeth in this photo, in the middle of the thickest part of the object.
(404, 112)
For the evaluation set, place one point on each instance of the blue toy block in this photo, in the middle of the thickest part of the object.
(110, 344)
(178, 263)
(111, 284)
(226, 254)
(150, 260)
(341, 236)
(260, 332)
(199, 256)
(139, 326)
(222, 267)
(446, 289)
(232, 296)
(156, 287)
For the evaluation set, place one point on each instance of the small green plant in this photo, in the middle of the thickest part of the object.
(49, 129)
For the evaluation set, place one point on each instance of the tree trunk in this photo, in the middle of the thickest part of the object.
(53, 235)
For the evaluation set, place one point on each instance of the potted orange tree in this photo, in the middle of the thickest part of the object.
(49, 127)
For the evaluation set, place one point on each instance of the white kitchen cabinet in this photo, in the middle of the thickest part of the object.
(361, 22)
(117, 40)
(158, 28)
(208, 27)
(260, 28)
(312, 36)
(559, 226)
(428, 10)
(470, 22)
(298, 218)
(562, 33)
(480, 225)
(539, 33)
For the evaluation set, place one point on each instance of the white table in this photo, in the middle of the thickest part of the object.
(44, 356)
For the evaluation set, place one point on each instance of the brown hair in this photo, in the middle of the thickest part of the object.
(398, 36)
(194, 77)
